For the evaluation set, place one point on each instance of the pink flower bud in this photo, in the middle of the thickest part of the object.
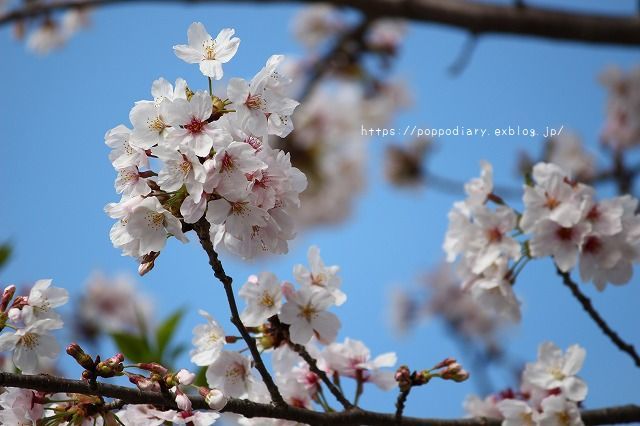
(7, 295)
(182, 401)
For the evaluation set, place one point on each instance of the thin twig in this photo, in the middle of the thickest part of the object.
(402, 399)
(595, 315)
(625, 414)
(202, 229)
(473, 16)
(313, 366)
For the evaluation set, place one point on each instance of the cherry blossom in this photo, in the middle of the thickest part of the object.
(353, 359)
(32, 345)
(305, 312)
(209, 53)
(555, 369)
(208, 340)
(320, 276)
(263, 295)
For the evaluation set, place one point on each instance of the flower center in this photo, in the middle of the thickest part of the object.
(156, 124)
(195, 126)
(557, 374)
(209, 49)
(29, 340)
(494, 235)
(254, 102)
(551, 202)
(564, 234)
(267, 300)
(227, 163)
(592, 245)
(308, 312)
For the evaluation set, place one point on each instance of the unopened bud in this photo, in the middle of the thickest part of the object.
(403, 377)
(76, 352)
(145, 268)
(185, 377)
(153, 367)
(230, 339)
(144, 383)
(214, 398)
(7, 295)
(182, 401)
(444, 363)
(266, 342)
(111, 367)
(461, 376)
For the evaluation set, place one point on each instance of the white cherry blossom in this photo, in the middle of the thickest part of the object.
(305, 312)
(208, 340)
(320, 276)
(263, 295)
(557, 370)
(206, 51)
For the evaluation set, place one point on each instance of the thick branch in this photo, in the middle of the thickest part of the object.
(202, 229)
(475, 17)
(595, 315)
(619, 415)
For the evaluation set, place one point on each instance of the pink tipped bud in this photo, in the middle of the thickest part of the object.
(145, 268)
(215, 399)
(182, 401)
(154, 367)
(75, 351)
(144, 383)
(461, 376)
(445, 363)
(7, 295)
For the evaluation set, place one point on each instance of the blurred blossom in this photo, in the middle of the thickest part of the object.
(329, 144)
(385, 35)
(442, 296)
(53, 34)
(403, 164)
(112, 305)
(49, 36)
(568, 152)
(315, 24)
(622, 125)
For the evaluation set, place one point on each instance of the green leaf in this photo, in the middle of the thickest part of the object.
(5, 254)
(165, 331)
(201, 377)
(134, 348)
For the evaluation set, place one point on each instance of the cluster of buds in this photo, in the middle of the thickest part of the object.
(160, 379)
(448, 369)
(94, 368)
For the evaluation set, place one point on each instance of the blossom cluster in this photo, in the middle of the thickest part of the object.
(31, 320)
(281, 317)
(549, 394)
(564, 220)
(214, 159)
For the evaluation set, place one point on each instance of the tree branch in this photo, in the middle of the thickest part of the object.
(202, 229)
(475, 17)
(313, 366)
(593, 313)
(625, 414)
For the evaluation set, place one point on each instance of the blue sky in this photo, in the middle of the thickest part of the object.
(57, 177)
